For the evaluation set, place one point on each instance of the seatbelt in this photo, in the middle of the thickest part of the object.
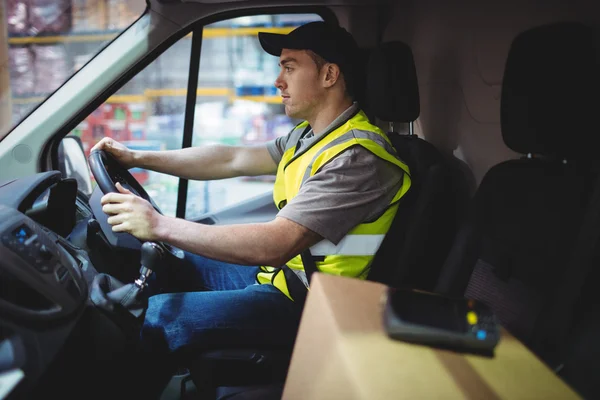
(310, 265)
(560, 315)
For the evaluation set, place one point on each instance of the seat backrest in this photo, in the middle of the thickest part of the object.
(423, 230)
(527, 213)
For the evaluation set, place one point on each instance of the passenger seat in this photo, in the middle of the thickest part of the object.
(525, 227)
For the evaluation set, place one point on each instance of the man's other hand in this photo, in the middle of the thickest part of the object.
(118, 150)
(132, 214)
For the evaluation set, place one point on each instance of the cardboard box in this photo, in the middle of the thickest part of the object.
(89, 15)
(16, 16)
(49, 16)
(22, 71)
(343, 352)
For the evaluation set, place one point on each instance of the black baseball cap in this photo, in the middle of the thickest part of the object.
(332, 42)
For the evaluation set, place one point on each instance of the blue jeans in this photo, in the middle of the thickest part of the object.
(205, 304)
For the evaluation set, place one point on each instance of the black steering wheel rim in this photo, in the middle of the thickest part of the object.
(108, 171)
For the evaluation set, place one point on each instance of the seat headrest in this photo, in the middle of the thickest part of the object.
(550, 93)
(392, 86)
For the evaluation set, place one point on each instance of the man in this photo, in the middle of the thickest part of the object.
(337, 187)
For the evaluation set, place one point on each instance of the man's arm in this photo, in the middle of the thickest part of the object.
(209, 162)
(353, 188)
(272, 243)
(198, 163)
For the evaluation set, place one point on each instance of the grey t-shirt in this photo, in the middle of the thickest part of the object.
(355, 187)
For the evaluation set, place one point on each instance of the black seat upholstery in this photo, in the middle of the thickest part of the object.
(425, 226)
(421, 234)
(527, 213)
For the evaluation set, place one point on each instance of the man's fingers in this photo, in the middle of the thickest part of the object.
(124, 227)
(121, 189)
(116, 219)
(102, 144)
(113, 198)
(114, 208)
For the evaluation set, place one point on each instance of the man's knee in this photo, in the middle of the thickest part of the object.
(156, 333)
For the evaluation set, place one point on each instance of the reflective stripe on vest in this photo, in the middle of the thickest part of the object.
(350, 245)
(353, 255)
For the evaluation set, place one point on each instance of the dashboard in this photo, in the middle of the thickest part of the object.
(55, 338)
(44, 276)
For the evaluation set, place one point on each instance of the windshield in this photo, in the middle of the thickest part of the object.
(48, 41)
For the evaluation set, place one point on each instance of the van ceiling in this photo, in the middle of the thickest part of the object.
(460, 48)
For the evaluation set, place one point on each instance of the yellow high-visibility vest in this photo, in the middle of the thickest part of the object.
(353, 255)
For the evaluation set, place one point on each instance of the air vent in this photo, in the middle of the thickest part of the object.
(17, 293)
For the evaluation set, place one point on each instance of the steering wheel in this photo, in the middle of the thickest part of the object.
(108, 171)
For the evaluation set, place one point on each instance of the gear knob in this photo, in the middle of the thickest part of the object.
(152, 255)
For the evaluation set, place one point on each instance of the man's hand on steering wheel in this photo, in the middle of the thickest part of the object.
(119, 151)
(131, 214)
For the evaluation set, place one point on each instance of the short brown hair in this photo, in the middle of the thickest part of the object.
(320, 62)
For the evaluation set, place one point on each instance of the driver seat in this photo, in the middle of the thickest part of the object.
(408, 255)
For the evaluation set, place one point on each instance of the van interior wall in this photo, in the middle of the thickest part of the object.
(362, 20)
(460, 48)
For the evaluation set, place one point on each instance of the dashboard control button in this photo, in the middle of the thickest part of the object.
(44, 253)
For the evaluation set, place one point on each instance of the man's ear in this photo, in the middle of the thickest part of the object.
(332, 74)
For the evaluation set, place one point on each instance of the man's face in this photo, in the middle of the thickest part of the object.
(300, 84)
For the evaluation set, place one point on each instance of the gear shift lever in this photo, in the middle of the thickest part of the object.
(110, 294)
(152, 254)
